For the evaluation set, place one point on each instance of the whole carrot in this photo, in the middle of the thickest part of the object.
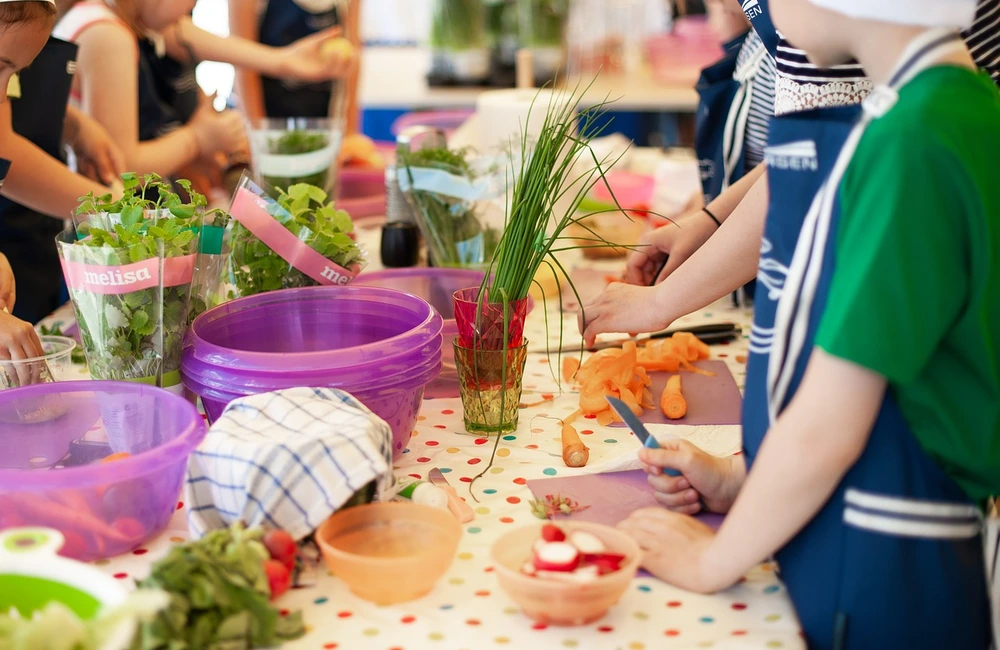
(59, 516)
(574, 452)
(672, 402)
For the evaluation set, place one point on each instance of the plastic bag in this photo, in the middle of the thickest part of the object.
(130, 286)
(298, 240)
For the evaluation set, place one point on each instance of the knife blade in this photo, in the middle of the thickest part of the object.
(462, 511)
(638, 428)
(709, 334)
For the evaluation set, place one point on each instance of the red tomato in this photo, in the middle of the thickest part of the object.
(279, 579)
(282, 547)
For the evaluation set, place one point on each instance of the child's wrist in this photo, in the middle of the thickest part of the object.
(711, 215)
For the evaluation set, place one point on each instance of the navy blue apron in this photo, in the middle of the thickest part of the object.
(717, 88)
(28, 238)
(173, 82)
(759, 15)
(157, 116)
(283, 23)
(894, 559)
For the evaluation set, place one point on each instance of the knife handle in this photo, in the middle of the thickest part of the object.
(651, 443)
(462, 511)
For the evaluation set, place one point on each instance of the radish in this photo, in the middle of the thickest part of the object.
(581, 575)
(553, 533)
(586, 543)
(557, 556)
(528, 569)
(537, 546)
(605, 562)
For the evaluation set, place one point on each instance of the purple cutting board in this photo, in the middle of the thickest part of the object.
(611, 497)
(711, 400)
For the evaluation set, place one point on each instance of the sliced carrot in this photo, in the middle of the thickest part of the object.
(574, 452)
(696, 370)
(629, 399)
(672, 402)
(572, 416)
(592, 403)
(643, 376)
(605, 417)
(669, 364)
(59, 516)
(569, 367)
(121, 455)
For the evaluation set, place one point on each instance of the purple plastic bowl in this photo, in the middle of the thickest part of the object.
(362, 340)
(52, 440)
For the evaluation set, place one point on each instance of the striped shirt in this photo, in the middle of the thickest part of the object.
(800, 85)
(761, 101)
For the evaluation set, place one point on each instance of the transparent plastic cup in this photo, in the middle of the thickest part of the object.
(53, 366)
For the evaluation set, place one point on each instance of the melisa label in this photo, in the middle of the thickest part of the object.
(251, 211)
(130, 277)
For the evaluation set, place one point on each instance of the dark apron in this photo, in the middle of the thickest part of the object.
(174, 82)
(283, 23)
(894, 559)
(759, 15)
(157, 115)
(28, 238)
(717, 88)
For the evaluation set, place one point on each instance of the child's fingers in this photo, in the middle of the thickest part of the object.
(671, 455)
(668, 484)
(685, 503)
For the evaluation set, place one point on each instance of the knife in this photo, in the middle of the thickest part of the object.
(709, 334)
(462, 511)
(637, 427)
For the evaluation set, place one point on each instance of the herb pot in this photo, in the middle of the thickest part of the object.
(287, 151)
(490, 383)
(481, 322)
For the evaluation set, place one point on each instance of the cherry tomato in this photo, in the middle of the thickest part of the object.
(279, 579)
(282, 547)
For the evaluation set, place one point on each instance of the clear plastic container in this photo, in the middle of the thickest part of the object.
(53, 442)
(54, 366)
(392, 552)
(561, 603)
(296, 150)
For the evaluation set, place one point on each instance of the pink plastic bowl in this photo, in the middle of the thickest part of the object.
(53, 438)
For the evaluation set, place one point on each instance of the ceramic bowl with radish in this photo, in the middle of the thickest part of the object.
(566, 573)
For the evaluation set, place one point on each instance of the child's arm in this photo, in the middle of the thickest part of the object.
(806, 454)
(725, 262)
(243, 23)
(38, 180)
(108, 74)
(302, 60)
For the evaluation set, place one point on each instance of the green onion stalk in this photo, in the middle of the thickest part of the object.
(560, 165)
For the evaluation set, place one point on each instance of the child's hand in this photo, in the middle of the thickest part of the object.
(18, 340)
(704, 478)
(219, 132)
(8, 293)
(98, 156)
(679, 240)
(622, 308)
(676, 549)
(315, 58)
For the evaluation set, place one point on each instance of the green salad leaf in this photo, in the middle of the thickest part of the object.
(294, 143)
(219, 597)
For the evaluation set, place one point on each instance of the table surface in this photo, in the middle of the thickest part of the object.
(407, 68)
(467, 609)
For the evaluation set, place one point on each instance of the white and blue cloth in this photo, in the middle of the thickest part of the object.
(287, 459)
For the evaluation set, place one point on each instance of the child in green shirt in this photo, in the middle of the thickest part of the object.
(872, 411)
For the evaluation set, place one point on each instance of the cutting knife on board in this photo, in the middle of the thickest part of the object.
(708, 334)
(638, 428)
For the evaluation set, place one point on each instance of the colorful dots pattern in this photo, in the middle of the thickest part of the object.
(469, 603)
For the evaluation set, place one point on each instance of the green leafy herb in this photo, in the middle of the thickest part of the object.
(219, 597)
(454, 230)
(134, 335)
(458, 25)
(56, 627)
(77, 356)
(252, 267)
(295, 143)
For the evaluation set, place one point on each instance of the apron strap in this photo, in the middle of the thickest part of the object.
(791, 324)
(734, 135)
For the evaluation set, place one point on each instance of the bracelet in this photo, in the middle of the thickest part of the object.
(712, 217)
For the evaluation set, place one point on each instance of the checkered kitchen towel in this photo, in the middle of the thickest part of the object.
(287, 459)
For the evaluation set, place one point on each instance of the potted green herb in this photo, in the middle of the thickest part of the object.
(296, 150)
(128, 265)
(542, 27)
(299, 239)
(445, 194)
(458, 40)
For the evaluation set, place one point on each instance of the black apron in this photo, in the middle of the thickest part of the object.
(157, 115)
(173, 82)
(283, 23)
(28, 238)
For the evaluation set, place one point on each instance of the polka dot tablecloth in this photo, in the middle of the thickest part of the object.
(467, 609)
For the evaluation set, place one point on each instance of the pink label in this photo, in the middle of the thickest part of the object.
(251, 211)
(130, 277)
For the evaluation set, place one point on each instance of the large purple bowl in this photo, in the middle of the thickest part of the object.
(53, 439)
(381, 345)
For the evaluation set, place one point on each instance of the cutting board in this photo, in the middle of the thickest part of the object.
(610, 497)
(711, 400)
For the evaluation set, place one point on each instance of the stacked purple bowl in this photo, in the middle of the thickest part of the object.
(381, 345)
